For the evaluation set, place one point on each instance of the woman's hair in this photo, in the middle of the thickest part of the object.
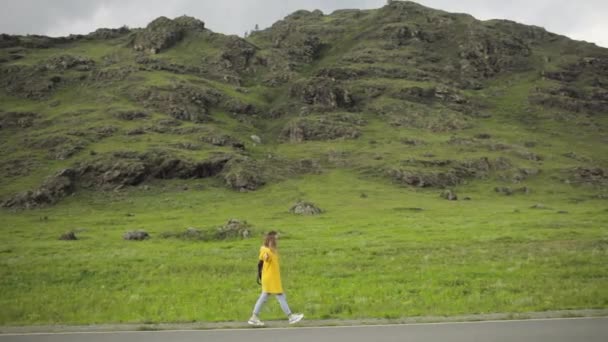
(270, 240)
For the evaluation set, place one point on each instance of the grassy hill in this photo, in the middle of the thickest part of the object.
(375, 116)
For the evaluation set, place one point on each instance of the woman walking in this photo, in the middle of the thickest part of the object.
(269, 273)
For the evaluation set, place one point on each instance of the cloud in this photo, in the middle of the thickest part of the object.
(581, 20)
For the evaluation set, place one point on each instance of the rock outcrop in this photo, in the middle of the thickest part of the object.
(305, 208)
(323, 93)
(318, 128)
(118, 173)
(50, 192)
(163, 33)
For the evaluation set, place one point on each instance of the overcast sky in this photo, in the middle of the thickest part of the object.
(578, 19)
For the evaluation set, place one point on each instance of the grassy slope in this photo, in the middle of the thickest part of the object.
(365, 257)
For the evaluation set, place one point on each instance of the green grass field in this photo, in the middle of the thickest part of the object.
(364, 257)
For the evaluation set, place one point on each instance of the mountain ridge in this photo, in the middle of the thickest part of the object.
(308, 78)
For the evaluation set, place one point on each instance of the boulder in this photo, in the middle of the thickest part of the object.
(256, 139)
(163, 33)
(130, 115)
(220, 139)
(323, 93)
(302, 46)
(527, 155)
(234, 229)
(305, 208)
(182, 102)
(305, 49)
(65, 62)
(238, 54)
(449, 195)
(108, 33)
(482, 167)
(187, 23)
(235, 106)
(136, 131)
(439, 93)
(518, 175)
(485, 54)
(319, 128)
(425, 179)
(69, 236)
(137, 235)
(106, 174)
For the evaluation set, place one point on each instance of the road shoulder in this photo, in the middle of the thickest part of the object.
(304, 323)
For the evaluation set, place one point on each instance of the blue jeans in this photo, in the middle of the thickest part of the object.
(264, 297)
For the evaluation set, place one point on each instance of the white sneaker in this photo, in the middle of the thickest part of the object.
(295, 318)
(255, 321)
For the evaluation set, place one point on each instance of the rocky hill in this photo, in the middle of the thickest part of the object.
(404, 93)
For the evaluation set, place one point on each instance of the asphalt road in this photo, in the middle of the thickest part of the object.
(549, 330)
